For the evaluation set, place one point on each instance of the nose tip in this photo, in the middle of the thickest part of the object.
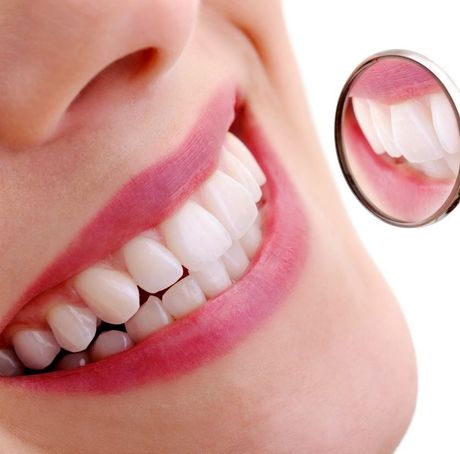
(56, 49)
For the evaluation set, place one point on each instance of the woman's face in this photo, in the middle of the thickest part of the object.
(112, 117)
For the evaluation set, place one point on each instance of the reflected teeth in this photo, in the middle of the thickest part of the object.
(423, 130)
(214, 234)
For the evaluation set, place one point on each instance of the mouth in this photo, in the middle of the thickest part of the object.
(206, 244)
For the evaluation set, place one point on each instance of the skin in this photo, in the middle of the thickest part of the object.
(331, 371)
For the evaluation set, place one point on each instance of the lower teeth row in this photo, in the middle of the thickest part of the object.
(194, 255)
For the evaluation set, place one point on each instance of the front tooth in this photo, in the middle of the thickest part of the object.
(251, 241)
(413, 131)
(445, 122)
(149, 318)
(183, 297)
(112, 295)
(151, 265)
(213, 278)
(109, 343)
(235, 260)
(453, 161)
(363, 115)
(73, 327)
(381, 119)
(73, 361)
(230, 203)
(436, 169)
(233, 167)
(35, 348)
(239, 149)
(195, 236)
(10, 366)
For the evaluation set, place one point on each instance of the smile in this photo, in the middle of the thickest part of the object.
(179, 284)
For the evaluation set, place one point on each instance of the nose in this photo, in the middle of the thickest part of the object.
(50, 51)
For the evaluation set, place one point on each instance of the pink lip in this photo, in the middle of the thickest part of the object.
(401, 193)
(220, 323)
(392, 80)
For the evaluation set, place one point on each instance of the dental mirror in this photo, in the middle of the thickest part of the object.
(398, 138)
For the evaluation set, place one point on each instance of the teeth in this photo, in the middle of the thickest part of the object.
(453, 161)
(230, 203)
(10, 366)
(235, 260)
(381, 118)
(195, 236)
(73, 361)
(445, 123)
(233, 167)
(112, 295)
(35, 348)
(363, 115)
(149, 318)
(251, 241)
(235, 146)
(183, 297)
(109, 343)
(73, 327)
(213, 278)
(151, 265)
(436, 169)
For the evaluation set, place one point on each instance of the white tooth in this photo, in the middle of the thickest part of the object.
(230, 203)
(213, 278)
(445, 122)
(453, 161)
(251, 241)
(73, 361)
(109, 343)
(73, 327)
(112, 295)
(233, 167)
(235, 260)
(151, 264)
(183, 297)
(10, 365)
(381, 118)
(363, 115)
(436, 169)
(35, 348)
(413, 131)
(195, 236)
(149, 318)
(239, 149)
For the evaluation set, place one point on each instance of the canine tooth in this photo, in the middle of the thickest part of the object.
(195, 236)
(363, 115)
(453, 161)
(381, 117)
(413, 131)
(239, 149)
(235, 260)
(112, 295)
(183, 297)
(149, 318)
(436, 169)
(73, 361)
(10, 366)
(251, 241)
(213, 278)
(233, 167)
(151, 264)
(230, 203)
(35, 348)
(445, 122)
(73, 327)
(109, 343)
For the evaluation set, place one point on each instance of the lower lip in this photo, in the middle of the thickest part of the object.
(394, 190)
(222, 322)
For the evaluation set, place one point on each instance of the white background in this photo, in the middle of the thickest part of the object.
(421, 265)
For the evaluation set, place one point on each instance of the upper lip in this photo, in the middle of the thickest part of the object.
(144, 201)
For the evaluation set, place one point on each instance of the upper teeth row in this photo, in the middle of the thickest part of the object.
(213, 235)
(423, 130)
